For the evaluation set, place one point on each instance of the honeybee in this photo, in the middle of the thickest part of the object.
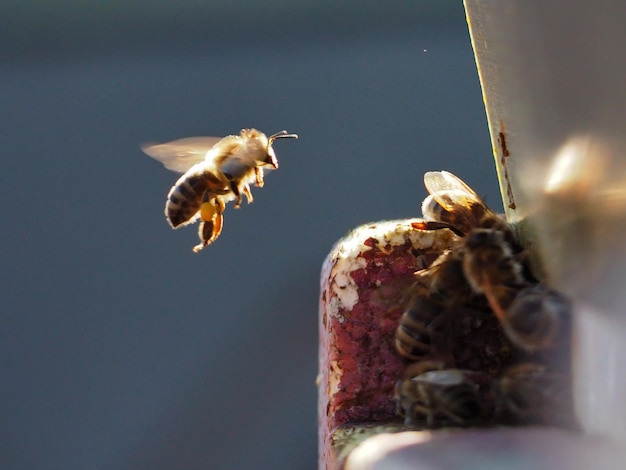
(492, 269)
(428, 320)
(439, 396)
(453, 204)
(414, 335)
(216, 171)
(536, 317)
(528, 393)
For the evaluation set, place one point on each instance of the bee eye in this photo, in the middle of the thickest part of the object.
(270, 158)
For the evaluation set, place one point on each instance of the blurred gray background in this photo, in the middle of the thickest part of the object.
(119, 347)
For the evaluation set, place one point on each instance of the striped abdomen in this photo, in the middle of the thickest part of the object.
(185, 197)
(414, 333)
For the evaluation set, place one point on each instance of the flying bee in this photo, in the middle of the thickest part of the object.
(215, 171)
(537, 317)
(438, 396)
(529, 393)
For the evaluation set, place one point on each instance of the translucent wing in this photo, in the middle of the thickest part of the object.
(180, 155)
(449, 190)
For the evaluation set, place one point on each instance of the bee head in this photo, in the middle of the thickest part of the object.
(484, 237)
(270, 155)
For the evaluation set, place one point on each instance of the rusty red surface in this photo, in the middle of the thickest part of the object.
(359, 365)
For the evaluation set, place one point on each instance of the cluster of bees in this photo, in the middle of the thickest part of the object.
(461, 371)
(215, 170)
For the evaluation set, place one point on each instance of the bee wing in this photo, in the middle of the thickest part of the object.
(449, 190)
(180, 155)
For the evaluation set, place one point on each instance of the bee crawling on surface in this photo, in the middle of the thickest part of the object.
(538, 318)
(439, 296)
(418, 325)
(454, 205)
(530, 393)
(492, 269)
(490, 253)
(215, 171)
(439, 396)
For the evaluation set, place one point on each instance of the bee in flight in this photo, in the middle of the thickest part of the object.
(215, 171)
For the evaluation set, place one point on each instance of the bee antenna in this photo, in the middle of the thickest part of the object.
(281, 135)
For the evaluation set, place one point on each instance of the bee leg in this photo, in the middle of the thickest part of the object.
(258, 172)
(415, 412)
(246, 191)
(208, 232)
(427, 407)
(235, 189)
(211, 221)
(495, 305)
(430, 419)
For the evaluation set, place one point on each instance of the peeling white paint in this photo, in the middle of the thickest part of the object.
(345, 257)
